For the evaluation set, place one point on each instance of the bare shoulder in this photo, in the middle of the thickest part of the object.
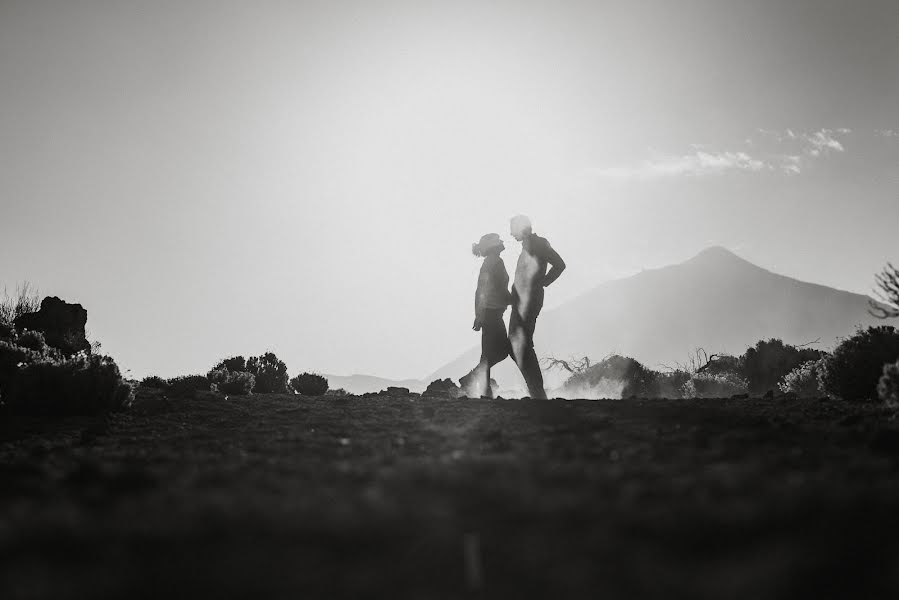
(540, 246)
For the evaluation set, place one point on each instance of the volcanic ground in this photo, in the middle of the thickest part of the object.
(410, 497)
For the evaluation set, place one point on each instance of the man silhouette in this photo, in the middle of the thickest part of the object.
(531, 277)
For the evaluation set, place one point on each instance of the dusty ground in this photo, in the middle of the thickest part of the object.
(413, 498)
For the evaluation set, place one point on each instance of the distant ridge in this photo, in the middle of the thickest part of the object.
(360, 384)
(715, 300)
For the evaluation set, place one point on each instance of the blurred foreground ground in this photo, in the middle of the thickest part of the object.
(281, 496)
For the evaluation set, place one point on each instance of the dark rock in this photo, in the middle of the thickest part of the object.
(443, 387)
(739, 397)
(768, 395)
(397, 391)
(61, 323)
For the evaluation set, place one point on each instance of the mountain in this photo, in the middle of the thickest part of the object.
(716, 300)
(360, 384)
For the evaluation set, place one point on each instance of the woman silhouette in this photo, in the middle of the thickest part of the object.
(490, 302)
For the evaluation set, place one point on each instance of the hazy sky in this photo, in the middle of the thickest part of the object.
(213, 178)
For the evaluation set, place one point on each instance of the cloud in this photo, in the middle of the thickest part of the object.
(886, 133)
(790, 164)
(695, 164)
(821, 141)
(787, 152)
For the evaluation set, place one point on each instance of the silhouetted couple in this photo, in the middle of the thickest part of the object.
(526, 299)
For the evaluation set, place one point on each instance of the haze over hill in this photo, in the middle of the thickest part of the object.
(716, 300)
(360, 384)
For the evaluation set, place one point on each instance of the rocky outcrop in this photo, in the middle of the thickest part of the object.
(61, 323)
(443, 388)
(396, 391)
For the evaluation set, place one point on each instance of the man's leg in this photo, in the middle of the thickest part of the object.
(521, 338)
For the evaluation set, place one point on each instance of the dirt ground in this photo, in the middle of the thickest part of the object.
(403, 497)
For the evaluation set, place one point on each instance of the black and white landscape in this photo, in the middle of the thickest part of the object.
(428, 299)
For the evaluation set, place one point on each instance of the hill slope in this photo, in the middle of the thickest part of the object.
(360, 384)
(716, 300)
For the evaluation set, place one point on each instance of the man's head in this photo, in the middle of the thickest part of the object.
(520, 227)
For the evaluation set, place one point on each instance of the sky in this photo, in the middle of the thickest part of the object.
(212, 178)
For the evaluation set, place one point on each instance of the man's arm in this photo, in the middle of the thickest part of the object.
(557, 265)
(480, 299)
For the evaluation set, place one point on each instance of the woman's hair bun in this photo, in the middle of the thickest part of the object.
(476, 249)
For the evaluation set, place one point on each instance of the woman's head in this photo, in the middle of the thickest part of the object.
(490, 243)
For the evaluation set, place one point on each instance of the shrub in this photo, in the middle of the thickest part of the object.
(888, 388)
(615, 375)
(7, 330)
(764, 365)
(339, 393)
(724, 364)
(187, 385)
(804, 380)
(714, 385)
(853, 370)
(236, 383)
(12, 358)
(235, 363)
(270, 374)
(80, 385)
(309, 384)
(33, 340)
(670, 384)
(26, 300)
(230, 376)
(217, 376)
(154, 382)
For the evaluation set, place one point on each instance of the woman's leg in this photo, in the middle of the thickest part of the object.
(495, 345)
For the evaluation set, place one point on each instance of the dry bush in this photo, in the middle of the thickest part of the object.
(714, 385)
(888, 282)
(25, 300)
(804, 380)
(613, 377)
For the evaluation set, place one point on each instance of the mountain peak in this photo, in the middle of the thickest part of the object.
(717, 251)
(717, 255)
